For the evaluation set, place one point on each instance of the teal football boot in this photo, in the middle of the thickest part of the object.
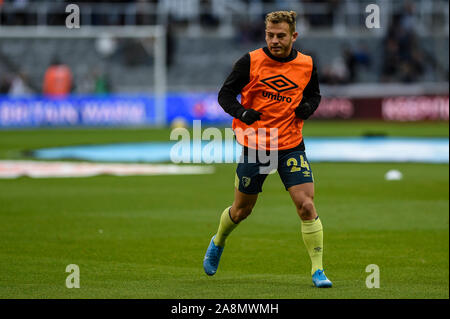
(212, 258)
(320, 280)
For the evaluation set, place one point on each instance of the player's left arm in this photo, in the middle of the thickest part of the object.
(311, 97)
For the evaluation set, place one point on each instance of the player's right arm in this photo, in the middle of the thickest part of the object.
(232, 87)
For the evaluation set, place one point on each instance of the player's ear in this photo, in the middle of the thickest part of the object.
(294, 36)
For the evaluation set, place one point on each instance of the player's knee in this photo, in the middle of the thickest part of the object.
(241, 213)
(306, 209)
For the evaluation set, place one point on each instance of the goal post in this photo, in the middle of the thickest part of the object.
(158, 49)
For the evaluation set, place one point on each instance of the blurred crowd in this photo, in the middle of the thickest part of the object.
(208, 11)
(404, 58)
(347, 65)
(400, 58)
(57, 81)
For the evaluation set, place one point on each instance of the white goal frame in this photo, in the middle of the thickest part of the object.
(156, 32)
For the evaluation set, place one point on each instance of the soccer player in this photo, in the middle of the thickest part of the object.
(279, 89)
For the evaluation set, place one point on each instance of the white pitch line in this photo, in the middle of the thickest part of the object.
(38, 169)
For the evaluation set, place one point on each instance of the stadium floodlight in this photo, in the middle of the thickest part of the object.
(157, 49)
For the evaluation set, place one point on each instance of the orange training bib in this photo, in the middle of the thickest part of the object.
(275, 89)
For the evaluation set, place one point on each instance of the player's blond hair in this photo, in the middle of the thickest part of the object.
(282, 16)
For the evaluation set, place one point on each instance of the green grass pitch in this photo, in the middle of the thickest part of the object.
(145, 237)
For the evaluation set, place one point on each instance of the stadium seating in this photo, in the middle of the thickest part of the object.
(201, 63)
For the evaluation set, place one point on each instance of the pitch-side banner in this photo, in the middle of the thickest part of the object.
(410, 108)
(108, 110)
(76, 111)
(139, 110)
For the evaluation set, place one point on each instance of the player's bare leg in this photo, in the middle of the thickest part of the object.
(312, 233)
(242, 205)
(241, 208)
(303, 197)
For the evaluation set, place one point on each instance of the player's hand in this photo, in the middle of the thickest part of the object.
(250, 116)
(304, 111)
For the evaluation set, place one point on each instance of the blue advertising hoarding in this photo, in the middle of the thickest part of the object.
(108, 110)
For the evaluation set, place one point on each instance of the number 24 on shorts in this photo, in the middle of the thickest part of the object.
(293, 162)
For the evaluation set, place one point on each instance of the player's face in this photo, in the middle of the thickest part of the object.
(279, 39)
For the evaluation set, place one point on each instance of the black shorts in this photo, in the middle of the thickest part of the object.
(293, 168)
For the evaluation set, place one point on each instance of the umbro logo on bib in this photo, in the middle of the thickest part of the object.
(279, 83)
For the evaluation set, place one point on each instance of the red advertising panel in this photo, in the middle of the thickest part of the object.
(411, 108)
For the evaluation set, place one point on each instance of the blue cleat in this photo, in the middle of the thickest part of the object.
(320, 280)
(212, 258)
